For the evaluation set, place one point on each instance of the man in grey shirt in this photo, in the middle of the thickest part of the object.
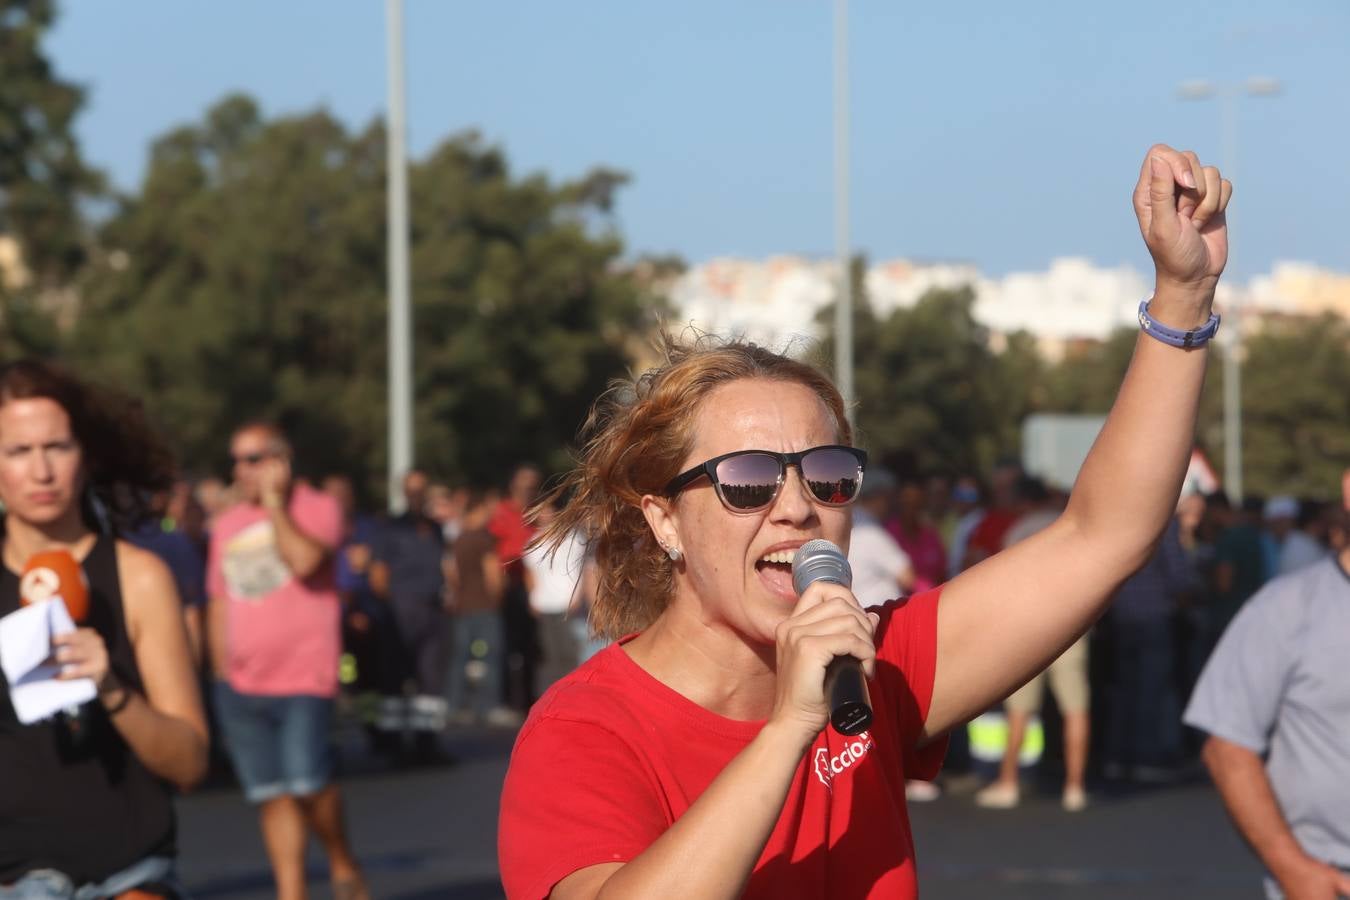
(1275, 700)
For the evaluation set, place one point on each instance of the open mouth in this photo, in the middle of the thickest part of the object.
(775, 570)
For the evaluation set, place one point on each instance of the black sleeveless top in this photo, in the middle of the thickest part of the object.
(73, 797)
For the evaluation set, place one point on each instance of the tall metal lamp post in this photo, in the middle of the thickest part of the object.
(1227, 95)
(400, 307)
(843, 307)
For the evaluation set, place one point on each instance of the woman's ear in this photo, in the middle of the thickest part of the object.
(663, 520)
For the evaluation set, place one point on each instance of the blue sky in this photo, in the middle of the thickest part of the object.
(1002, 134)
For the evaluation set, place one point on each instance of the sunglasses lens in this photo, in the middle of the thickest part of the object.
(832, 475)
(748, 481)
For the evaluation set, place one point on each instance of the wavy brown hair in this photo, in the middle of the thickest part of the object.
(633, 442)
(125, 459)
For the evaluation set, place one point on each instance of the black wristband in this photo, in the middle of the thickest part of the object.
(121, 704)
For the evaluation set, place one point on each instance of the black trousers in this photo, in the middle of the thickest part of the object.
(522, 647)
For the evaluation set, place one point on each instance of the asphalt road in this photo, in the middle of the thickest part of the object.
(431, 833)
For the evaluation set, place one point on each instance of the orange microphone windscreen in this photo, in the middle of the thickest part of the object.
(55, 573)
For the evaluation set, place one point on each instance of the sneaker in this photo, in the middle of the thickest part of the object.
(1074, 799)
(999, 796)
(921, 791)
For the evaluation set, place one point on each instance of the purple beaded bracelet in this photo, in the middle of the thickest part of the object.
(1196, 337)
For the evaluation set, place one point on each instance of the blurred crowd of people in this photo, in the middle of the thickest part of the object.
(271, 606)
(1119, 691)
(298, 604)
(446, 618)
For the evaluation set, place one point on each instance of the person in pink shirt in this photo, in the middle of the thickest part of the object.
(275, 642)
(920, 540)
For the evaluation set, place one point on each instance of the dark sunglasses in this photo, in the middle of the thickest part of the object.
(252, 459)
(750, 480)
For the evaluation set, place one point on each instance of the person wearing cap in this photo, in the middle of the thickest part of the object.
(881, 568)
(1289, 545)
(1277, 520)
(1306, 542)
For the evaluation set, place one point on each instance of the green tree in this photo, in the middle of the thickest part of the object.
(247, 278)
(1087, 378)
(1296, 407)
(43, 179)
(1019, 388)
(1296, 411)
(931, 393)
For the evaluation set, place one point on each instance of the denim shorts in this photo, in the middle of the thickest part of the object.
(279, 745)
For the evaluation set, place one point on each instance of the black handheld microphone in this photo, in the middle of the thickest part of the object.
(845, 686)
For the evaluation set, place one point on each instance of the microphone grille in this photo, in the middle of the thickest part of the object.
(820, 560)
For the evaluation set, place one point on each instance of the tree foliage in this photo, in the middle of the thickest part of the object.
(933, 395)
(247, 278)
(43, 178)
(1296, 407)
(930, 393)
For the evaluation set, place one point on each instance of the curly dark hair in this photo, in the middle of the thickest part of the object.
(126, 460)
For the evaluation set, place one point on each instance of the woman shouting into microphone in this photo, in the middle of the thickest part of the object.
(84, 803)
(692, 758)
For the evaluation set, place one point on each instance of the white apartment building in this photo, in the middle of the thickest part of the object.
(776, 301)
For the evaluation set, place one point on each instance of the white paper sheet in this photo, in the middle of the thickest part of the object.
(25, 653)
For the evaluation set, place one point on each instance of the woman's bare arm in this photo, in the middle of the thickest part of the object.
(165, 728)
(1012, 614)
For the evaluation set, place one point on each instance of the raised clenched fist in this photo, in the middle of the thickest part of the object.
(1181, 207)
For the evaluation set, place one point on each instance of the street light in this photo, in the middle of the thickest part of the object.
(843, 304)
(400, 306)
(1227, 95)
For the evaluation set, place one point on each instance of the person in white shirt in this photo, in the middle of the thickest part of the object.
(559, 591)
(881, 570)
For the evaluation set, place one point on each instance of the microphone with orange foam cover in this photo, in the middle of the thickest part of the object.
(56, 573)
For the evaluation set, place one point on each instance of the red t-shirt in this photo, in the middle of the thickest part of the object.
(988, 535)
(610, 757)
(512, 532)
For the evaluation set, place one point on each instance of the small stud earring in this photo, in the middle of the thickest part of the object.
(674, 554)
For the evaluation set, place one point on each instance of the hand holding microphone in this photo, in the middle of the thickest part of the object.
(56, 574)
(845, 686)
(825, 647)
